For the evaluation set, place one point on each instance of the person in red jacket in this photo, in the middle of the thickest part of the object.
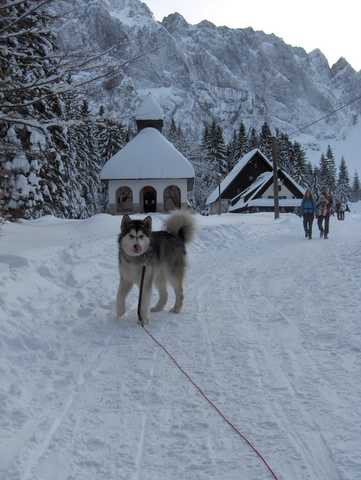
(324, 205)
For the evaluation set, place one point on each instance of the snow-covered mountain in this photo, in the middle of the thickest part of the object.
(202, 72)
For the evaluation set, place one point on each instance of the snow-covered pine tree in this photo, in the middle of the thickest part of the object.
(237, 146)
(324, 177)
(252, 140)
(356, 188)
(182, 144)
(221, 153)
(331, 170)
(308, 179)
(232, 151)
(205, 177)
(26, 63)
(87, 161)
(242, 141)
(176, 136)
(299, 164)
(111, 136)
(205, 136)
(41, 138)
(210, 136)
(172, 133)
(343, 190)
(284, 148)
(316, 182)
(265, 141)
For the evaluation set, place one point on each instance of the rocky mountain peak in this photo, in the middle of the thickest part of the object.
(131, 7)
(341, 65)
(206, 24)
(174, 21)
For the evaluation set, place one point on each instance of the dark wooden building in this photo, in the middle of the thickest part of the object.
(249, 187)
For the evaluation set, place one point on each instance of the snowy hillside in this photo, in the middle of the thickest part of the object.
(203, 71)
(349, 146)
(271, 330)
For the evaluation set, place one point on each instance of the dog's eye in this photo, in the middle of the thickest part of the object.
(141, 237)
(132, 236)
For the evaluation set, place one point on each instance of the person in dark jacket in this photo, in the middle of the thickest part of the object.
(338, 210)
(342, 211)
(308, 210)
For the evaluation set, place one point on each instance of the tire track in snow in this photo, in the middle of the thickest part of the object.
(207, 287)
(305, 446)
(286, 330)
(145, 419)
(92, 365)
(261, 362)
(82, 380)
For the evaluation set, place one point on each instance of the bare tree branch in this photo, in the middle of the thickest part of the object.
(56, 78)
(21, 121)
(27, 57)
(25, 14)
(113, 73)
(48, 124)
(13, 4)
(21, 33)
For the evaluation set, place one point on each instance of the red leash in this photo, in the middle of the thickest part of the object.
(197, 387)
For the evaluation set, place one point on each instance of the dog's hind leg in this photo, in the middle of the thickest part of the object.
(123, 290)
(177, 283)
(161, 284)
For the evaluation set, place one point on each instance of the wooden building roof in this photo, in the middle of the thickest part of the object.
(252, 196)
(243, 174)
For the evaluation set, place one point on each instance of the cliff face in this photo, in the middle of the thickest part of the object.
(203, 71)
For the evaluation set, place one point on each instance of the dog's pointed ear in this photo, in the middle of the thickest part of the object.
(148, 224)
(125, 222)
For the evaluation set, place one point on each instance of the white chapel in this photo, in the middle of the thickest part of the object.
(148, 174)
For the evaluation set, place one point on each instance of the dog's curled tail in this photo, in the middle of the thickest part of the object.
(182, 225)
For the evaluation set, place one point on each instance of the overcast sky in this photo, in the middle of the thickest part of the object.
(332, 26)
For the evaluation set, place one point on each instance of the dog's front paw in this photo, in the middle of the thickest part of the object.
(144, 321)
(175, 309)
(120, 312)
(156, 308)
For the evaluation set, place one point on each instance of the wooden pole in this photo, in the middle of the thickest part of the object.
(219, 187)
(219, 198)
(275, 178)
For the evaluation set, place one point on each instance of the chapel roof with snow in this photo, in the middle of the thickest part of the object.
(149, 155)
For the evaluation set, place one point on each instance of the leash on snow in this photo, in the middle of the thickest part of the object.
(195, 385)
(141, 296)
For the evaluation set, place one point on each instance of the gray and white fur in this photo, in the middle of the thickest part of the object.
(164, 254)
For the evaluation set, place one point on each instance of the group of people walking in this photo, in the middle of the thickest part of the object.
(322, 210)
(341, 208)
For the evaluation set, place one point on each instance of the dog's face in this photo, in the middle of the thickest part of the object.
(135, 235)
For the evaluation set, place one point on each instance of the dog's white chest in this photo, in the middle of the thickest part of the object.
(131, 273)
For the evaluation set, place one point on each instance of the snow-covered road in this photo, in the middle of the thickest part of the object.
(271, 330)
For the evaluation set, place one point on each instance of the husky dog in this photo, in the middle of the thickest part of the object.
(164, 255)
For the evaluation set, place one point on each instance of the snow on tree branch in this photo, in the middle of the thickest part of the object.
(113, 72)
(24, 15)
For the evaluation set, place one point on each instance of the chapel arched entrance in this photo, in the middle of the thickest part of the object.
(148, 199)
